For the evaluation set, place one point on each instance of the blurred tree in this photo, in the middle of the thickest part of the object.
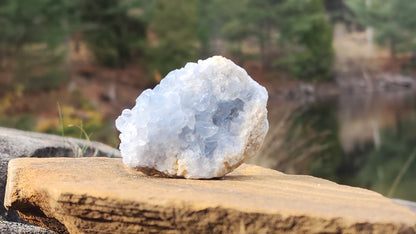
(166, 34)
(173, 39)
(393, 22)
(220, 20)
(32, 41)
(206, 26)
(263, 18)
(339, 12)
(300, 27)
(114, 30)
(306, 40)
(234, 24)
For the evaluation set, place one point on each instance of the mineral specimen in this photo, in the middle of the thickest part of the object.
(201, 121)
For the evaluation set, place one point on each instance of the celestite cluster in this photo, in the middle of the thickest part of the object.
(201, 121)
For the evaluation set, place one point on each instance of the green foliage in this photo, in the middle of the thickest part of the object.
(112, 29)
(206, 26)
(306, 37)
(263, 18)
(175, 42)
(164, 34)
(114, 32)
(219, 19)
(32, 35)
(393, 21)
(37, 21)
(293, 35)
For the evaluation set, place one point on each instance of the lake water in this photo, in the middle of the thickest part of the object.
(367, 141)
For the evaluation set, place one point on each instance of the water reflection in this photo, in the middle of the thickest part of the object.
(378, 137)
(366, 141)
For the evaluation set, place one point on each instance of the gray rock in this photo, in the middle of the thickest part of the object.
(12, 227)
(16, 143)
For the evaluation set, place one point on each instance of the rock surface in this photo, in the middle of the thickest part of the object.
(201, 121)
(16, 143)
(21, 228)
(101, 195)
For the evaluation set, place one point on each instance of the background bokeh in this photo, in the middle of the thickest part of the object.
(340, 74)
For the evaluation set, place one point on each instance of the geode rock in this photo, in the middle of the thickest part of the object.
(201, 121)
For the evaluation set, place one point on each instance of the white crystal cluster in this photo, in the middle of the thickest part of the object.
(201, 121)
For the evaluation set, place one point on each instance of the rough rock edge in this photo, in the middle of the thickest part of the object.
(159, 219)
(91, 214)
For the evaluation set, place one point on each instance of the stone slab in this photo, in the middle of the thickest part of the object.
(101, 195)
(17, 143)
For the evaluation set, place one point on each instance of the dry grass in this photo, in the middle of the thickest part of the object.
(289, 155)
